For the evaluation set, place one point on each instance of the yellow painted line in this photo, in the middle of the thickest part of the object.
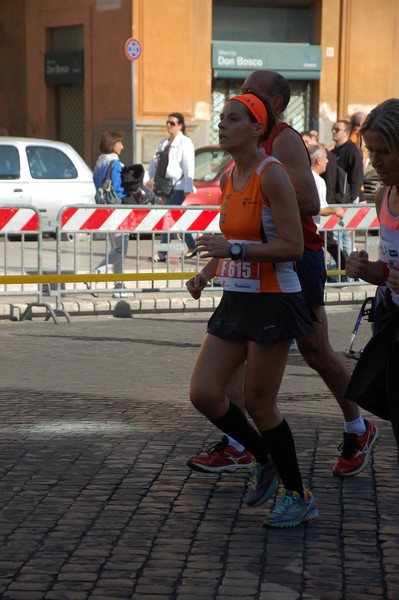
(54, 278)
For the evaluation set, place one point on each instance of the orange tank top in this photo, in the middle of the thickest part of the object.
(245, 216)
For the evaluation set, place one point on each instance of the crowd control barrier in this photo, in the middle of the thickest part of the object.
(67, 264)
(20, 248)
(360, 222)
(21, 258)
(146, 224)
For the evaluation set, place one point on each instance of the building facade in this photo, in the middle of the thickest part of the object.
(65, 74)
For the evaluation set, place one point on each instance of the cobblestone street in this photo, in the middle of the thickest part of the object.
(97, 501)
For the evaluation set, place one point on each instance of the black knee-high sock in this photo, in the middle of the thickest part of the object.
(281, 445)
(236, 425)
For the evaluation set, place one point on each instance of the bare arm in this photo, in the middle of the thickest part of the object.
(196, 284)
(278, 191)
(358, 264)
(393, 276)
(290, 150)
(332, 210)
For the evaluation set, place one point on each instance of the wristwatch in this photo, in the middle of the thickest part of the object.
(236, 251)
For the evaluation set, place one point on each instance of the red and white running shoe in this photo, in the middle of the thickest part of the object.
(356, 451)
(220, 457)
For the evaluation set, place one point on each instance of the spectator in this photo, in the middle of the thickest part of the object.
(334, 176)
(335, 180)
(348, 157)
(261, 308)
(350, 160)
(111, 145)
(174, 159)
(318, 164)
(356, 121)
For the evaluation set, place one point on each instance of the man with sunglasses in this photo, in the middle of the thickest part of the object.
(350, 159)
(286, 144)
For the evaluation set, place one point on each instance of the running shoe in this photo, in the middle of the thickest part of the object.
(264, 483)
(292, 510)
(356, 451)
(120, 291)
(220, 457)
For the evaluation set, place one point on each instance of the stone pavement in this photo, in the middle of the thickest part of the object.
(97, 502)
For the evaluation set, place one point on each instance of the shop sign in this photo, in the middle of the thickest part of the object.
(280, 57)
(108, 4)
(63, 67)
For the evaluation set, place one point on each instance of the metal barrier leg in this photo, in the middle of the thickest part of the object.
(50, 312)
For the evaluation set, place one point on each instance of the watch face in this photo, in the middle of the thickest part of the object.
(235, 250)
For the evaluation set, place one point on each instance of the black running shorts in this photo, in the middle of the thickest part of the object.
(262, 318)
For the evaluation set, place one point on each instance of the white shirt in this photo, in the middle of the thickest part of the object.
(181, 164)
(322, 191)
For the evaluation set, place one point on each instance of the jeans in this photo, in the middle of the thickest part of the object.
(116, 256)
(343, 243)
(176, 199)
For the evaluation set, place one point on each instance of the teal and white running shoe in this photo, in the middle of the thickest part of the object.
(265, 480)
(292, 510)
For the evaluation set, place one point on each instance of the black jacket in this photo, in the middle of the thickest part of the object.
(336, 182)
(374, 384)
(351, 161)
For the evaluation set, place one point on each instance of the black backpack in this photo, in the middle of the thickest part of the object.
(136, 191)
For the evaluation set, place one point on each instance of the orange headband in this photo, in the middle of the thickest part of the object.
(255, 106)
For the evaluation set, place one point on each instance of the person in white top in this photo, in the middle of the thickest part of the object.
(319, 161)
(174, 159)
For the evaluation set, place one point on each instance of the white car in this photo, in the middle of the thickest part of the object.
(44, 174)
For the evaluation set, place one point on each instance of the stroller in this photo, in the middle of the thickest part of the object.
(137, 192)
(366, 312)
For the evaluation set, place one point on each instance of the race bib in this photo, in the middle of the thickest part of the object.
(388, 252)
(239, 275)
(389, 255)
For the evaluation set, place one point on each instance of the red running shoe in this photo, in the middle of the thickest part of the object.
(356, 451)
(220, 457)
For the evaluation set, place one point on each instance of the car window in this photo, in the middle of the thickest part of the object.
(9, 162)
(209, 164)
(49, 163)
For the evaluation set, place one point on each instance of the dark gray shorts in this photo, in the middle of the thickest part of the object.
(311, 271)
(262, 318)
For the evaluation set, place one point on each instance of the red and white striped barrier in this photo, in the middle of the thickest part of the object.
(139, 219)
(355, 217)
(193, 219)
(16, 220)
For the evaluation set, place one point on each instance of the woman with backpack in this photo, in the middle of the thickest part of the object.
(108, 165)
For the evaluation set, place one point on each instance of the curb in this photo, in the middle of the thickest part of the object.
(159, 302)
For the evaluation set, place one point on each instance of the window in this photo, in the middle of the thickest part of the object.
(256, 21)
(209, 164)
(9, 163)
(297, 114)
(49, 163)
